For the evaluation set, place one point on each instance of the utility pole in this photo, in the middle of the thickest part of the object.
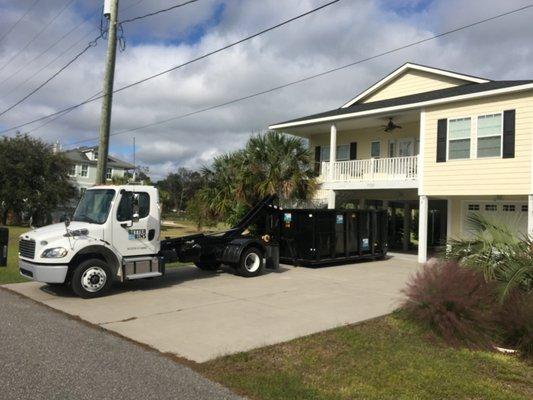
(110, 12)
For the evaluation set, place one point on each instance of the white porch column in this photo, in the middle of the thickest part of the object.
(362, 204)
(331, 199)
(332, 151)
(423, 229)
(530, 216)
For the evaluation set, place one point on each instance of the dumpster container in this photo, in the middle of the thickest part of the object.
(319, 237)
(4, 242)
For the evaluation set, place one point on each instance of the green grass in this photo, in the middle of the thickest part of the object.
(11, 273)
(387, 358)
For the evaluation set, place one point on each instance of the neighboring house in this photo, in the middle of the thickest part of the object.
(83, 171)
(465, 146)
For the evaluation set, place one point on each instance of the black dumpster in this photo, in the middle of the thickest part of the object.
(4, 242)
(319, 237)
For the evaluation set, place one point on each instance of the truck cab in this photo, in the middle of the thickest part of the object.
(112, 227)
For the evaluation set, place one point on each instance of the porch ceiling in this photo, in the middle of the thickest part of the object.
(354, 123)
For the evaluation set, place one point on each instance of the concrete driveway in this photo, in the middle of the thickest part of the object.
(200, 316)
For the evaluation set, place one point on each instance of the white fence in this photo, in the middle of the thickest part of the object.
(374, 169)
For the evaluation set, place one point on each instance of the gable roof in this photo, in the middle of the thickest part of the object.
(417, 67)
(473, 90)
(78, 156)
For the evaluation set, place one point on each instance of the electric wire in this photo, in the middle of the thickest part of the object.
(18, 21)
(157, 12)
(38, 34)
(292, 83)
(206, 55)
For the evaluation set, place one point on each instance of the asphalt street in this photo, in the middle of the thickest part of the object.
(46, 355)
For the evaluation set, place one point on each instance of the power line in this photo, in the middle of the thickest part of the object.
(181, 65)
(285, 85)
(38, 34)
(91, 44)
(158, 12)
(6, 94)
(55, 43)
(18, 21)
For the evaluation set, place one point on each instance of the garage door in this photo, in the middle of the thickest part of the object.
(511, 213)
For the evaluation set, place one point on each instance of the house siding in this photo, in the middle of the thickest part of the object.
(364, 137)
(413, 82)
(485, 176)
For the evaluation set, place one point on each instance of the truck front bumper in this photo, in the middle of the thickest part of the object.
(48, 273)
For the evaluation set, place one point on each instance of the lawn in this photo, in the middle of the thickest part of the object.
(11, 273)
(386, 358)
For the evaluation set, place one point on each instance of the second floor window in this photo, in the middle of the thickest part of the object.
(109, 173)
(343, 152)
(459, 138)
(375, 149)
(489, 135)
(84, 171)
(72, 170)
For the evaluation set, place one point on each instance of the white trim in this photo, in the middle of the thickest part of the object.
(392, 184)
(530, 216)
(449, 215)
(421, 151)
(409, 66)
(386, 110)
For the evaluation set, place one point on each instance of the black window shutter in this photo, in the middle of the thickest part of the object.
(508, 133)
(317, 159)
(353, 151)
(442, 128)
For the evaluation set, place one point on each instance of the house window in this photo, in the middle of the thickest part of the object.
(489, 135)
(343, 153)
(524, 208)
(392, 148)
(84, 170)
(491, 207)
(109, 173)
(82, 191)
(72, 170)
(473, 207)
(375, 149)
(459, 138)
(509, 207)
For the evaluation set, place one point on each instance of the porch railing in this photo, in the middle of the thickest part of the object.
(370, 170)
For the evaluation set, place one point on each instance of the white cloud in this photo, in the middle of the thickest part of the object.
(337, 35)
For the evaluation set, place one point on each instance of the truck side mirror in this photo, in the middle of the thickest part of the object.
(135, 208)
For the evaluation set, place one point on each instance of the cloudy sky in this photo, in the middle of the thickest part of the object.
(55, 30)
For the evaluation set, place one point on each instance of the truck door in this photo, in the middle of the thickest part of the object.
(136, 225)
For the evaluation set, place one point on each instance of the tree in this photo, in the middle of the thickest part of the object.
(179, 187)
(33, 180)
(270, 163)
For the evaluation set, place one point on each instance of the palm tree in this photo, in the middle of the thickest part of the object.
(497, 251)
(270, 163)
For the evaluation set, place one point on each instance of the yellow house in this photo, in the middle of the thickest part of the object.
(431, 146)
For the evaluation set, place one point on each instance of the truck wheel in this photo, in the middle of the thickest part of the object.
(251, 262)
(92, 278)
(208, 266)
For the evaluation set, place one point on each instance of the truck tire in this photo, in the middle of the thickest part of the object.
(251, 262)
(92, 278)
(208, 266)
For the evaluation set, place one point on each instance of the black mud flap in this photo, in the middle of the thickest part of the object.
(4, 241)
(272, 256)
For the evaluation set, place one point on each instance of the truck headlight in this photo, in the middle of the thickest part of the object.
(56, 252)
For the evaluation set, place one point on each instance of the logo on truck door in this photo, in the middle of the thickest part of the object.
(136, 234)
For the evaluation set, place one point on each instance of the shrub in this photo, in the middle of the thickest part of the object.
(515, 319)
(455, 303)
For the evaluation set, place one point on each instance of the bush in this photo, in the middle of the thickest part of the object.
(456, 303)
(515, 319)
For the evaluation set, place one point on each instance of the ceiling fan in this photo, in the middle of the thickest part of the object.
(391, 126)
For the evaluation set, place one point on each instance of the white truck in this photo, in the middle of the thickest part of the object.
(114, 236)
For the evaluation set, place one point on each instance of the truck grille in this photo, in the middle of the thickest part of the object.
(27, 248)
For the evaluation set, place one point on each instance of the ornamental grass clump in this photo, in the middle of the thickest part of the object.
(515, 320)
(456, 303)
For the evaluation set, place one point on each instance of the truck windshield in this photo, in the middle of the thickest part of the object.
(94, 206)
